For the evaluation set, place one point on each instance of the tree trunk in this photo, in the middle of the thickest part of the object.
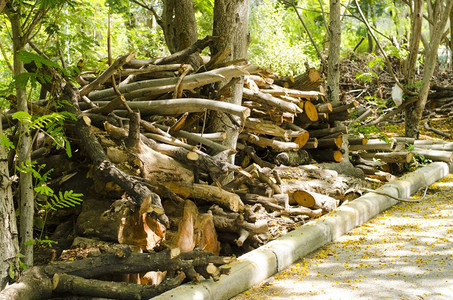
(8, 228)
(416, 31)
(409, 68)
(25, 183)
(333, 70)
(443, 9)
(179, 24)
(451, 39)
(231, 18)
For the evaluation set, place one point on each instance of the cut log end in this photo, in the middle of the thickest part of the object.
(303, 199)
(337, 156)
(310, 111)
(302, 139)
(193, 156)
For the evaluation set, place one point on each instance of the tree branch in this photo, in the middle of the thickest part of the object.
(323, 62)
(389, 64)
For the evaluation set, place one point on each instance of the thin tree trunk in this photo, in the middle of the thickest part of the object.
(409, 68)
(451, 39)
(333, 70)
(8, 228)
(25, 183)
(443, 9)
(231, 18)
(2, 4)
(416, 32)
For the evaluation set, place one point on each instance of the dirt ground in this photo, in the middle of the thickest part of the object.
(404, 253)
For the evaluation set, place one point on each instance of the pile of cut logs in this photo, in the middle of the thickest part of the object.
(381, 158)
(281, 126)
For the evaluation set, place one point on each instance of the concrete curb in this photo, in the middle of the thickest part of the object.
(256, 266)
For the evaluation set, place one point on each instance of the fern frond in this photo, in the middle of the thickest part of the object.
(45, 120)
(66, 199)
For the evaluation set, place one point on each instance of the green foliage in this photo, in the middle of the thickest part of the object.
(11, 270)
(28, 57)
(274, 41)
(204, 14)
(51, 125)
(384, 138)
(46, 198)
(22, 265)
(46, 242)
(419, 159)
(37, 77)
(358, 129)
(6, 142)
(54, 201)
(365, 77)
(44, 192)
(374, 65)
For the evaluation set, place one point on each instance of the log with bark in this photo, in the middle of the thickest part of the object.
(389, 157)
(375, 145)
(435, 155)
(314, 200)
(308, 81)
(155, 87)
(230, 222)
(36, 282)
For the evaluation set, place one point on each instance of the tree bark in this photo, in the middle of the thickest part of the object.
(436, 155)
(274, 102)
(442, 9)
(409, 68)
(35, 283)
(414, 42)
(231, 18)
(333, 70)
(390, 157)
(182, 105)
(451, 39)
(315, 200)
(179, 24)
(154, 87)
(26, 179)
(64, 284)
(8, 227)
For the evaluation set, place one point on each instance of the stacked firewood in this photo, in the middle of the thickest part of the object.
(280, 125)
(440, 101)
(381, 158)
(291, 126)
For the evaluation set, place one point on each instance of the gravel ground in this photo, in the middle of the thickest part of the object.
(404, 253)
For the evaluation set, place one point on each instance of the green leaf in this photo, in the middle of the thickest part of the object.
(44, 190)
(11, 270)
(28, 57)
(30, 242)
(22, 116)
(5, 141)
(68, 150)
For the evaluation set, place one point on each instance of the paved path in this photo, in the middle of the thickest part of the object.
(404, 253)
